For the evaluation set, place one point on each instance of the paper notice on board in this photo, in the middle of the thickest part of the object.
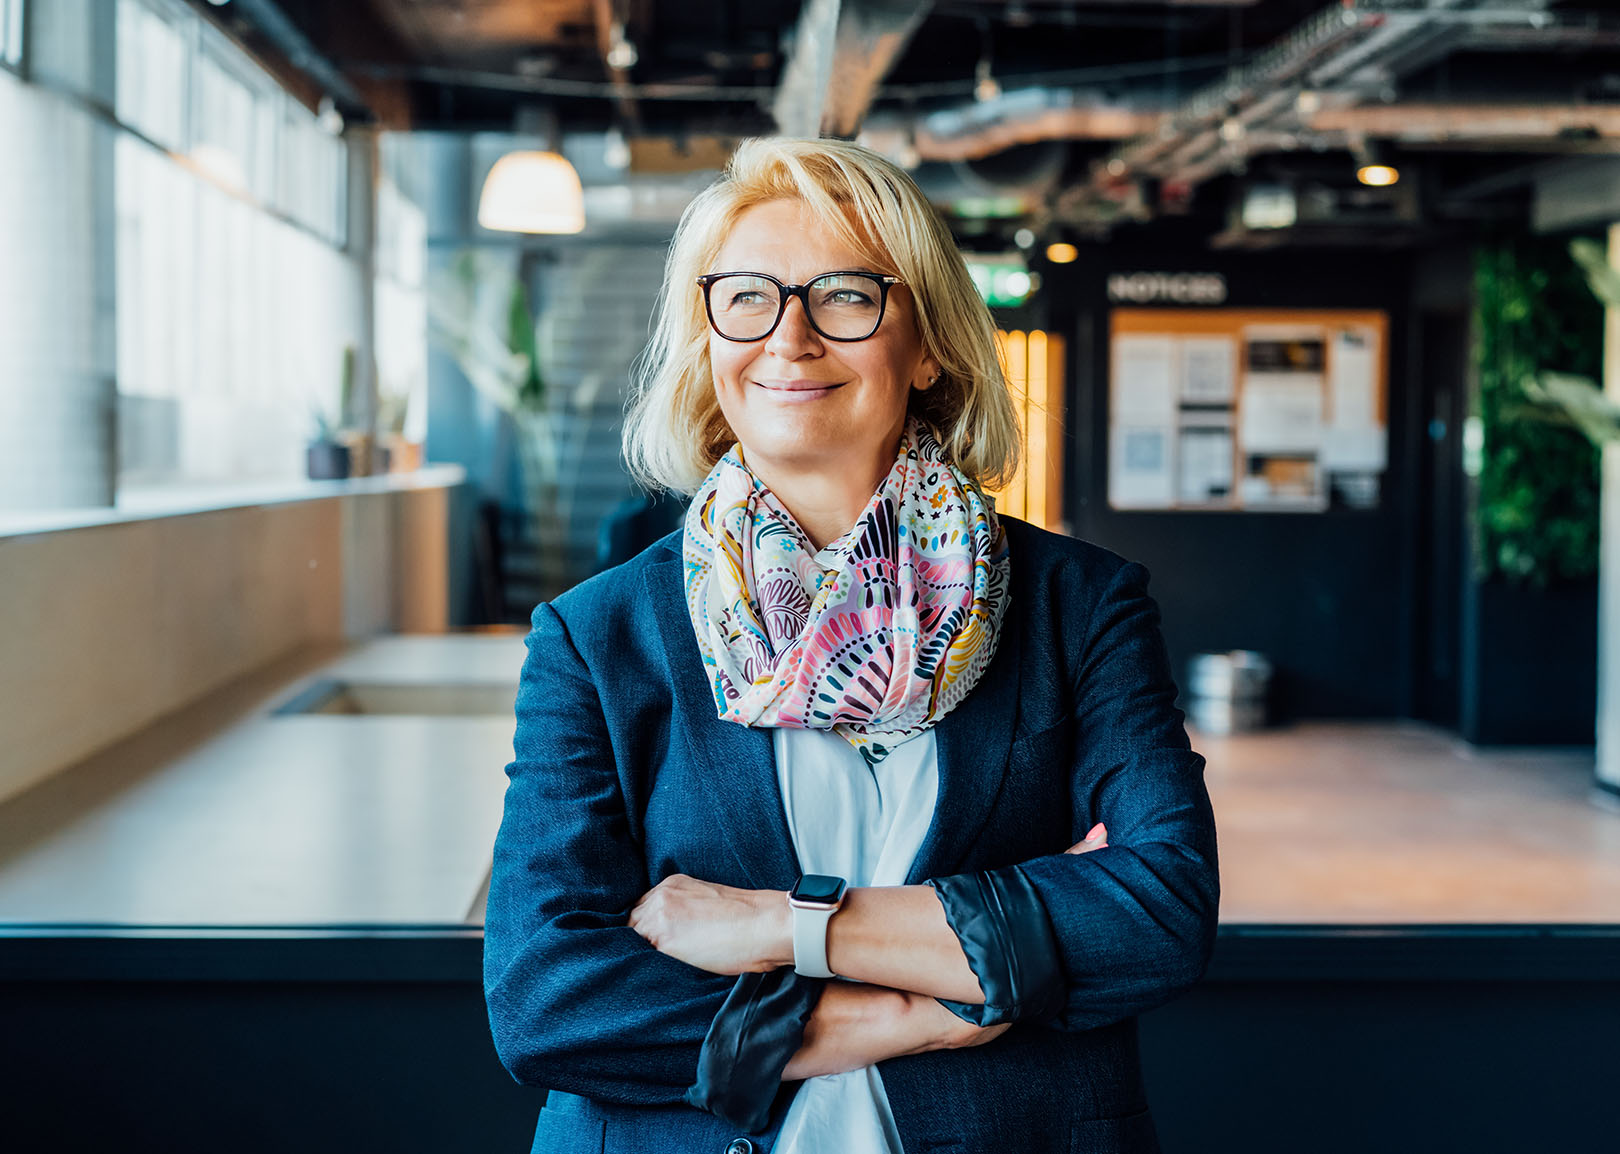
(1140, 468)
(1208, 370)
(1282, 413)
(1354, 450)
(1204, 465)
(1144, 381)
(1353, 380)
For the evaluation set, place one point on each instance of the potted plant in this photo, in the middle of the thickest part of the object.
(326, 457)
(331, 455)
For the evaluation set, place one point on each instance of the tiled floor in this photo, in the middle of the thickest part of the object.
(1397, 822)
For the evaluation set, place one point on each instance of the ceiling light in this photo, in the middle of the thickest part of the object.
(1371, 163)
(328, 117)
(615, 150)
(1061, 253)
(1232, 130)
(985, 88)
(1116, 167)
(1269, 206)
(621, 53)
(1024, 238)
(533, 192)
(1308, 102)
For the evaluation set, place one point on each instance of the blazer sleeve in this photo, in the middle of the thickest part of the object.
(577, 1000)
(1084, 940)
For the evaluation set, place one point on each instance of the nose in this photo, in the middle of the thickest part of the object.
(794, 338)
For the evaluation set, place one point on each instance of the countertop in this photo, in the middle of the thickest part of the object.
(231, 842)
(227, 814)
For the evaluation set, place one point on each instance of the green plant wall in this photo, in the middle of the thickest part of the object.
(1539, 479)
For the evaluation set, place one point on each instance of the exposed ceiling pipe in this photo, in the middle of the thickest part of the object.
(842, 50)
(1281, 64)
(1093, 122)
(610, 42)
(1341, 57)
(273, 24)
(1435, 123)
(1025, 116)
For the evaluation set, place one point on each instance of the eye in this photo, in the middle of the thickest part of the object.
(847, 291)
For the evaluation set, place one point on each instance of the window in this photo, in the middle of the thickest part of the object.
(400, 300)
(235, 301)
(313, 187)
(191, 216)
(153, 47)
(210, 291)
(11, 32)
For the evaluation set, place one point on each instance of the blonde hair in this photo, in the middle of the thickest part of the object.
(674, 431)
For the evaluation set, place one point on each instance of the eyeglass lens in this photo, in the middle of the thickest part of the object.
(844, 306)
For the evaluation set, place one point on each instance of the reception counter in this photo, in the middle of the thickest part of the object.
(257, 926)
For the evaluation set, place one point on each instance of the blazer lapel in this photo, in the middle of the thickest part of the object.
(974, 742)
(735, 765)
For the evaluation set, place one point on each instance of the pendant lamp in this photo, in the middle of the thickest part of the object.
(536, 192)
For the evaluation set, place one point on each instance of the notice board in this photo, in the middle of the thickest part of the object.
(1253, 409)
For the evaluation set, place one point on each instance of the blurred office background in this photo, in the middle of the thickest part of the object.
(1304, 305)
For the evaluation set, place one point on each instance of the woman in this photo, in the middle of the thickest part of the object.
(792, 857)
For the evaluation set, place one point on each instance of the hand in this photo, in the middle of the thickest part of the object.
(855, 1025)
(953, 1032)
(722, 929)
(1096, 839)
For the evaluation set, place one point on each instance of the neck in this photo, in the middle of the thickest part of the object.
(825, 504)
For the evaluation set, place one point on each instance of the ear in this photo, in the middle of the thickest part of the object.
(928, 373)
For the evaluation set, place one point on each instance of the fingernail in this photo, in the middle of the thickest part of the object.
(1099, 828)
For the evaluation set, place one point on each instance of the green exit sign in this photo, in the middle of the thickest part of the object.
(1003, 282)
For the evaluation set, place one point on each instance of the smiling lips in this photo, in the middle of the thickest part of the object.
(799, 390)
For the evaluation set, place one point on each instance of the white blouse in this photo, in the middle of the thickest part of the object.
(863, 824)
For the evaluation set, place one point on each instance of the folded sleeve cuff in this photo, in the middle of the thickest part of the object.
(758, 1029)
(1004, 929)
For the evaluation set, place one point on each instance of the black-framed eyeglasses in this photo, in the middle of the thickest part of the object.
(841, 306)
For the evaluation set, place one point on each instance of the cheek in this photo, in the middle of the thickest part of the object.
(727, 362)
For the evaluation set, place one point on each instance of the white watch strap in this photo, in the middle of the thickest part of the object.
(810, 941)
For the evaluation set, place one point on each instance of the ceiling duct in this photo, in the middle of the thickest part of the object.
(842, 50)
(1480, 123)
(1024, 116)
(1304, 92)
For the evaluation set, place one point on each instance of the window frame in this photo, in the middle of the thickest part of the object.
(14, 16)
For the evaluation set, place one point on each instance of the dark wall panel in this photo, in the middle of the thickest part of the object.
(1326, 596)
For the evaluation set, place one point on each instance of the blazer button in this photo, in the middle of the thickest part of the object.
(739, 1146)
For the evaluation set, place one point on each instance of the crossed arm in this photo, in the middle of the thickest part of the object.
(578, 1004)
(893, 940)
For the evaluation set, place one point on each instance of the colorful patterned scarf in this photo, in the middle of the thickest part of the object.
(880, 644)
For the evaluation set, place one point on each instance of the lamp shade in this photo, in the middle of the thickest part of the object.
(532, 192)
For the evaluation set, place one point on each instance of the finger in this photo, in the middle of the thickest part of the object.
(1097, 838)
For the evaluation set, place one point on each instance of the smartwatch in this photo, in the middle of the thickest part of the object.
(814, 900)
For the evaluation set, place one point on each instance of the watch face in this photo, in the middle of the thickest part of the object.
(819, 888)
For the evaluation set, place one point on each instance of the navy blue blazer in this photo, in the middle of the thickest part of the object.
(624, 775)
